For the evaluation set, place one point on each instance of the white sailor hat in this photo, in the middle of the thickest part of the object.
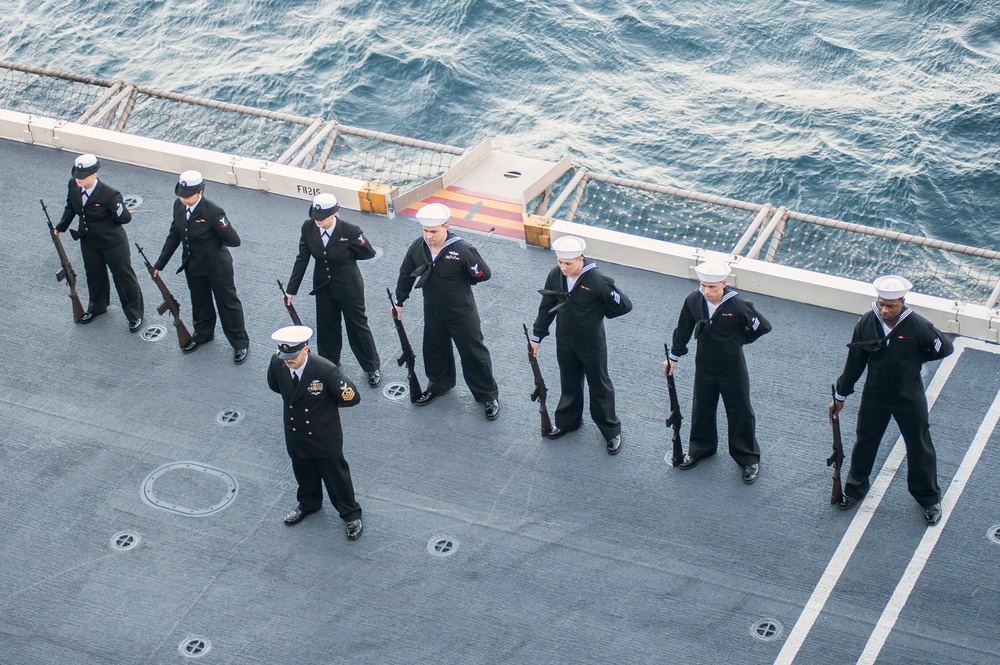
(291, 340)
(433, 214)
(323, 206)
(189, 183)
(711, 272)
(892, 287)
(568, 247)
(85, 165)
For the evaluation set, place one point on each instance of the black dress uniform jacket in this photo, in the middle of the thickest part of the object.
(205, 237)
(893, 389)
(447, 281)
(101, 219)
(720, 370)
(311, 412)
(104, 245)
(336, 262)
(581, 345)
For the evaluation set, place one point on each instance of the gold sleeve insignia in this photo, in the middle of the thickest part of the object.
(346, 392)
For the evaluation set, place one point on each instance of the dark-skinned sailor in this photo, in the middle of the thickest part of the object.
(336, 247)
(722, 322)
(892, 342)
(206, 235)
(579, 297)
(103, 241)
(313, 391)
(445, 267)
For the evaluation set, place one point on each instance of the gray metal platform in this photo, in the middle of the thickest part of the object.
(560, 553)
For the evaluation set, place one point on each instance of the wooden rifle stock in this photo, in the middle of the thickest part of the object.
(169, 302)
(836, 458)
(540, 393)
(408, 357)
(289, 306)
(66, 271)
(674, 420)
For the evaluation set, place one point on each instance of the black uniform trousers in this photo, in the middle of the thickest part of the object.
(118, 260)
(329, 339)
(222, 287)
(439, 359)
(921, 459)
(313, 473)
(735, 392)
(574, 365)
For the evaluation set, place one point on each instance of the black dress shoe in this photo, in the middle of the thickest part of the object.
(556, 432)
(133, 326)
(90, 316)
(492, 409)
(191, 346)
(354, 529)
(750, 473)
(374, 378)
(932, 514)
(296, 515)
(846, 502)
(427, 397)
(240, 356)
(614, 445)
(688, 462)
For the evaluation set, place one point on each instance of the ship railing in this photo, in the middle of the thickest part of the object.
(312, 143)
(778, 235)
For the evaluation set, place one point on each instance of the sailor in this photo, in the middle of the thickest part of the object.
(722, 322)
(445, 267)
(338, 286)
(313, 390)
(892, 342)
(103, 241)
(206, 234)
(579, 297)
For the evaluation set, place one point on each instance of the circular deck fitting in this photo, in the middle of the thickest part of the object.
(124, 541)
(395, 391)
(229, 417)
(153, 332)
(766, 630)
(195, 647)
(378, 254)
(189, 488)
(132, 201)
(442, 546)
(512, 174)
(994, 534)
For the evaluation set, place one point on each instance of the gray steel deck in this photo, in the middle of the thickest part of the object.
(565, 555)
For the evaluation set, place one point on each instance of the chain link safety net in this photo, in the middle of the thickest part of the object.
(844, 253)
(662, 216)
(372, 159)
(52, 97)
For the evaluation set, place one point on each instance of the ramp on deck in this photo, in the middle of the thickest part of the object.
(559, 553)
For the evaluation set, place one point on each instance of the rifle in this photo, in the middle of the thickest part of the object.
(408, 357)
(169, 302)
(66, 271)
(289, 306)
(674, 419)
(836, 458)
(540, 392)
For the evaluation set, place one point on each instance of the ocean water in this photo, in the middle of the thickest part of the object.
(881, 113)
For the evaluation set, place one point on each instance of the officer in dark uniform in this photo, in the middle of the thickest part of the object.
(722, 322)
(893, 342)
(313, 390)
(206, 233)
(103, 241)
(446, 267)
(338, 286)
(579, 298)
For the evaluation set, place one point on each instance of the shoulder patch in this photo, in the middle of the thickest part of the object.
(346, 391)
